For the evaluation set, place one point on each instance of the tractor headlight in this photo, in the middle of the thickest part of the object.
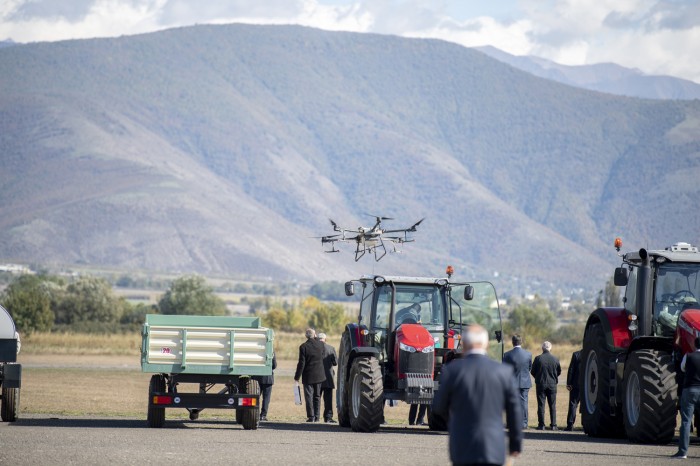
(404, 347)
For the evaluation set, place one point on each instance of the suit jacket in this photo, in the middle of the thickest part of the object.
(521, 360)
(330, 359)
(546, 369)
(268, 379)
(310, 365)
(572, 373)
(474, 391)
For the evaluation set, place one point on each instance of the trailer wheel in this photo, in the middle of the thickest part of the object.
(10, 404)
(649, 408)
(241, 389)
(156, 414)
(597, 415)
(250, 418)
(341, 393)
(366, 395)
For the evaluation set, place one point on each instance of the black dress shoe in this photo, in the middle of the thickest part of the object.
(420, 423)
(540, 427)
(555, 428)
(330, 421)
(263, 418)
(569, 428)
(310, 420)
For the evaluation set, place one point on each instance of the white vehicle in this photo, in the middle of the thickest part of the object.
(10, 371)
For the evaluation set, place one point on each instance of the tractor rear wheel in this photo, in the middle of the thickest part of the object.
(156, 414)
(366, 395)
(598, 417)
(251, 417)
(10, 404)
(341, 393)
(650, 388)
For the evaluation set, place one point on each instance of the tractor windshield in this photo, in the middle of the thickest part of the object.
(677, 287)
(483, 309)
(415, 304)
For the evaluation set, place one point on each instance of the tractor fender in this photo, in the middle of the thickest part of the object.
(356, 346)
(615, 325)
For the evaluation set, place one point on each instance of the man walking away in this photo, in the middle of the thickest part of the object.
(310, 370)
(521, 360)
(474, 392)
(546, 370)
(572, 386)
(266, 382)
(330, 359)
(690, 398)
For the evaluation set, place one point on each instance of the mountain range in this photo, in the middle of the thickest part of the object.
(604, 77)
(225, 150)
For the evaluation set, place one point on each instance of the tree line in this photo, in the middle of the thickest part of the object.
(42, 303)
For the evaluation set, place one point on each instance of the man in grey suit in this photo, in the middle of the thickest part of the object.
(474, 391)
(330, 359)
(521, 360)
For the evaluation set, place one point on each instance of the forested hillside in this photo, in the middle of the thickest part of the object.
(224, 149)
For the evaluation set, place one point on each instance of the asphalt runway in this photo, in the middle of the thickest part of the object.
(40, 440)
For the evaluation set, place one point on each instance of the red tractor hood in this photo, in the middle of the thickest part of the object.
(688, 329)
(414, 335)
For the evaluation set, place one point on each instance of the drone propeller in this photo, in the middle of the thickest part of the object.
(335, 225)
(415, 225)
(379, 217)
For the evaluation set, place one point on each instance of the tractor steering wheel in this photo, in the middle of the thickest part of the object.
(680, 294)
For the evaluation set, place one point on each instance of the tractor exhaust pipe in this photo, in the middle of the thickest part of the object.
(644, 295)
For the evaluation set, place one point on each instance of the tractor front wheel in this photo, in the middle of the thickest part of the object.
(598, 417)
(341, 393)
(366, 395)
(649, 409)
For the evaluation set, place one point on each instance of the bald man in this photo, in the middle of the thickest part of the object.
(474, 392)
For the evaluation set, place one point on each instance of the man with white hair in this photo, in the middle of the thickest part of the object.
(474, 391)
(546, 370)
(330, 359)
(310, 370)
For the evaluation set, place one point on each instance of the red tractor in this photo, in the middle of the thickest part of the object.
(407, 329)
(630, 363)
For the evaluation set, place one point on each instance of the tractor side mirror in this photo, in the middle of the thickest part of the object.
(349, 288)
(620, 278)
(468, 293)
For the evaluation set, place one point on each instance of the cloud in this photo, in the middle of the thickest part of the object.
(655, 36)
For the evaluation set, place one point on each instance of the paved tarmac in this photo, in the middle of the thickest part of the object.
(44, 440)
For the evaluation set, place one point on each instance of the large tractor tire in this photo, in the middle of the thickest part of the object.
(366, 395)
(10, 404)
(650, 389)
(156, 414)
(594, 384)
(251, 417)
(341, 392)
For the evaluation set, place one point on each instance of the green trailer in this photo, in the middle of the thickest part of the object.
(205, 362)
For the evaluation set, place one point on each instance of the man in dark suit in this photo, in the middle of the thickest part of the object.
(521, 360)
(330, 359)
(310, 370)
(474, 391)
(572, 386)
(266, 382)
(546, 370)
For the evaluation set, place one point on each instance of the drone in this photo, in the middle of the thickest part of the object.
(369, 239)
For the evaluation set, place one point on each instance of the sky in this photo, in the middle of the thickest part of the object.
(660, 37)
